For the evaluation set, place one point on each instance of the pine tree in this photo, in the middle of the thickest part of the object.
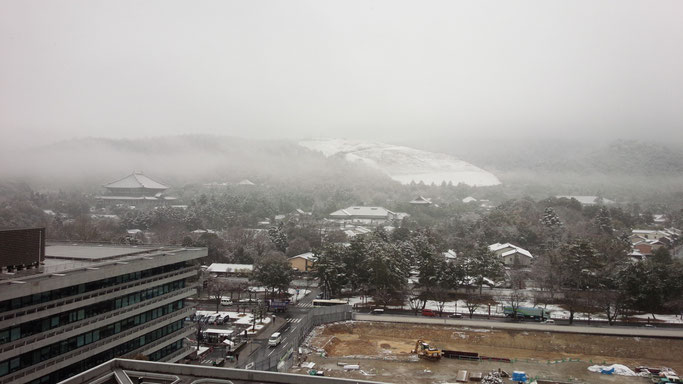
(550, 219)
(278, 236)
(604, 221)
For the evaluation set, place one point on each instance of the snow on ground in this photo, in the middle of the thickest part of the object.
(241, 318)
(616, 369)
(405, 164)
(298, 296)
(556, 312)
(661, 318)
(201, 350)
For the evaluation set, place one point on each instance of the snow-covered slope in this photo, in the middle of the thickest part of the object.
(405, 164)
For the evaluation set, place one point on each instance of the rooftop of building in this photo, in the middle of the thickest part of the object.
(378, 212)
(136, 180)
(123, 371)
(66, 258)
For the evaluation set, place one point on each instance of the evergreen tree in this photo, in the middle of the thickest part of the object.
(603, 221)
(278, 236)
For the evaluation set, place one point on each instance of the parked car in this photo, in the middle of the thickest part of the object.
(548, 321)
(377, 311)
(428, 313)
(226, 319)
(455, 315)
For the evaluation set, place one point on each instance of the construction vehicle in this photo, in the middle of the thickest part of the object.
(427, 352)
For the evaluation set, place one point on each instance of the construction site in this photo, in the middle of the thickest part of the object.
(422, 353)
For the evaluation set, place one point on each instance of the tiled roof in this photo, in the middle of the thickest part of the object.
(136, 180)
(378, 212)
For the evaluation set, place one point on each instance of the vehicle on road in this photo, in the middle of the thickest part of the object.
(226, 302)
(275, 339)
(534, 313)
(327, 303)
(377, 311)
(278, 305)
(549, 321)
(428, 313)
(455, 315)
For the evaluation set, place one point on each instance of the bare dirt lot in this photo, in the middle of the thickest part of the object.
(383, 352)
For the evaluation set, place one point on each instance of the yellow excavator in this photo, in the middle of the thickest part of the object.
(425, 351)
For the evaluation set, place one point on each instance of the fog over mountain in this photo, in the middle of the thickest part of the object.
(617, 169)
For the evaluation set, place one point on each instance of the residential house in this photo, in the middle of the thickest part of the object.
(421, 200)
(302, 262)
(512, 255)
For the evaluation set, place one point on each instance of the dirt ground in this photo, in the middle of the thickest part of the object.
(383, 352)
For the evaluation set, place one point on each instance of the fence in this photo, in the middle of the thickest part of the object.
(284, 360)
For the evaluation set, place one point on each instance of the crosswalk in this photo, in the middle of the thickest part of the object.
(304, 305)
(294, 320)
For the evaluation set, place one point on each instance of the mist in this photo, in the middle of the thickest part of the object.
(385, 70)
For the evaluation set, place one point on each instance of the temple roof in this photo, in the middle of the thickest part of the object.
(136, 180)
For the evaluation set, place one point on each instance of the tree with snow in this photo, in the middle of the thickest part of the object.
(278, 236)
(273, 271)
(603, 221)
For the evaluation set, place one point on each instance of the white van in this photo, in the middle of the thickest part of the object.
(275, 339)
(226, 302)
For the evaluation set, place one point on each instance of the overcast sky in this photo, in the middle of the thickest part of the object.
(383, 70)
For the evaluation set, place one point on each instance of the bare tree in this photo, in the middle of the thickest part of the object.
(216, 288)
(416, 299)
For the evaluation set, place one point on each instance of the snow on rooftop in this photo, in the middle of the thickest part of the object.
(307, 256)
(352, 211)
(513, 249)
(229, 268)
(136, 180)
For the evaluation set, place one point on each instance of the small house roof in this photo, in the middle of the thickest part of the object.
(512, 249)
(307, 256)
(421, 200)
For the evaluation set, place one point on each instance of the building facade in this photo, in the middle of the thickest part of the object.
(87, 304)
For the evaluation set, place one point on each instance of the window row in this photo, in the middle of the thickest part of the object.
(44, 297)
(39, 355)
(117, 351)
(34, 327)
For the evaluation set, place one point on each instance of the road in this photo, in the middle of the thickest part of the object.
(526, 326)
(286, 324)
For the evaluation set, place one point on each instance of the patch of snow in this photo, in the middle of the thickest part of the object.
(405, 164)
(619, 369)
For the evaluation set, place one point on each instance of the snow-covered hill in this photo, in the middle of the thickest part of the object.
(405, 164)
